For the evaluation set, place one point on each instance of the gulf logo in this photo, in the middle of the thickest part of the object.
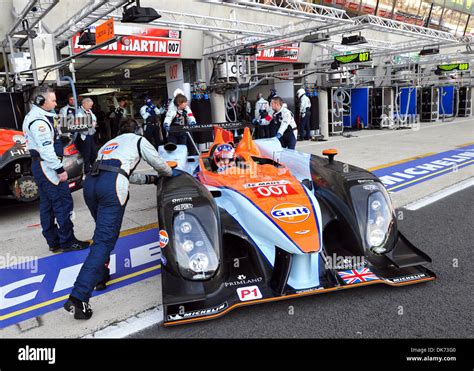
(164, 239)
(110, 148)
(290, 213)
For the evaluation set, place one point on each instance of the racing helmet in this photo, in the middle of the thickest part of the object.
(224, 156)
(300, 93)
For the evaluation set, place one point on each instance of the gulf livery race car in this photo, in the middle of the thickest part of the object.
(277, 224)
(16, 179)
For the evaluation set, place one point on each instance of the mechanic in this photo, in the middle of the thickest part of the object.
(262, 116)
(85, 141)
(178, 114)
(46, 150)
(67, 113)
(305, 114)
(106, 192)
(120, 114)
(285, 124)
(151, 117)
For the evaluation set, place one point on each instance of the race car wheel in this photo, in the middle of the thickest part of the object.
(25, 189)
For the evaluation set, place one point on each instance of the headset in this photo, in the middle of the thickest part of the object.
(39, 100)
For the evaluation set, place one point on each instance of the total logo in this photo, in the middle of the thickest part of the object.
(290, 213)
(110, 148)
(164, 239)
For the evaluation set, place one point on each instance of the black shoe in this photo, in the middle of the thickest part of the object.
(55, 248)
(102, 285)
(76, 245)
(80, 309)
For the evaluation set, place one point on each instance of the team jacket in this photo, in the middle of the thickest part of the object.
(41, 136)
(305, 104)
(146, 112)
(284, 120)
(176, 117)
(90, 117)
(129, 149)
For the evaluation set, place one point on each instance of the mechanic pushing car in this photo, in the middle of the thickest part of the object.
(46, 150)
(178, 114)
(151, 117)
(305, 114)
(106, 191)
(285, 124)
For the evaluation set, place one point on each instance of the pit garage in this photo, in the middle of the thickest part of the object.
(349, 137)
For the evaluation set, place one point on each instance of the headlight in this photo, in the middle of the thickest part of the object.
(194, 245)
(379, 218)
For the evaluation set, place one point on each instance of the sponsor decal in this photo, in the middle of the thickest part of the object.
(412, 277)
(407, 174)
(181, 207)
(249, 293)
(110, 148)
(198, 313)
(20, 139)
(42, 128)
(183, 199)
(164, 239)
(19, 152)
(266, 184)
(290, 213)
(72, 184)
(242, 280)
(357, 276)
(309, 290)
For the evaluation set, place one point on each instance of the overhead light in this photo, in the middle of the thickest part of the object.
(316, 38)
(430, 51)
(86, 38)
(353, 40)
(248, 51)
(281, 53)
(138, 14)
(23, 34)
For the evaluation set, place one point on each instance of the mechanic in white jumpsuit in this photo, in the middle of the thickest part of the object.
(305, 114)
(285, 124)
(106, 191)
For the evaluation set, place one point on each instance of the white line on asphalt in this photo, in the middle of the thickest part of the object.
(440, 194)
(130, 326)
(434, 125)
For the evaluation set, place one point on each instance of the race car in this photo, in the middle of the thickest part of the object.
(16, 179)
(273, 224)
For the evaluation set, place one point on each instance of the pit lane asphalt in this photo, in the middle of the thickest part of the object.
(441, 308)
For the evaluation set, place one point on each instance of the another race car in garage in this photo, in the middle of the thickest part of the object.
(273, 224)
(16, 179)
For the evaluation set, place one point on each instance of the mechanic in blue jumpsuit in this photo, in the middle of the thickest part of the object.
(285, 124)
(46, 150)
(106, 191)
(151, 118)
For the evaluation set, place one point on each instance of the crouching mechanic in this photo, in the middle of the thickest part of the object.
(106, 191)
(285, 124)
(46, 150)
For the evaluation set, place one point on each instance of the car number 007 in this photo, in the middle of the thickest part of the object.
(277, 190)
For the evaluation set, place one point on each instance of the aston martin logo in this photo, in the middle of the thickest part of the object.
(346, 58)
